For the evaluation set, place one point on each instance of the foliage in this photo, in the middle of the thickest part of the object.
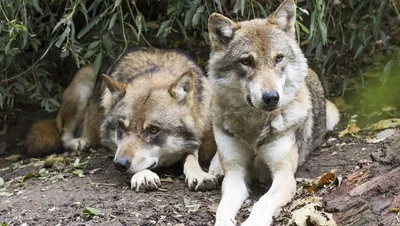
(333, 34)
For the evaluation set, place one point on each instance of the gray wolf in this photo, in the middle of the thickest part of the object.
(152, 109)
(268, 111)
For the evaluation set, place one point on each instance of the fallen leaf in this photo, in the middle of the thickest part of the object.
(27, 176)
(1, 182)
(80, 165)
(351, 129)
(326, 179)
(191, 206)
(6, 194)
(389, 108)
(381, 136)
(78, 173)
(385, 124)
(91, 211)
(13, 158)
(168, 179)
(394, 210)
(49, 161)
(58, 166)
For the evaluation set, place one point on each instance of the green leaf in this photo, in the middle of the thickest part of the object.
(78, 172)
(36, 6)
(219, 5)
(54, 102)
(90, 53)
(88, 27)
(91, 211)
(94, 44)
(183, 30)
(163, 27)
(62, 37)
(303, 28)
(116, 4)
(98, 61)
(261, 8)
(112, 21)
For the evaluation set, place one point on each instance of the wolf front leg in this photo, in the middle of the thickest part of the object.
(196, 178)
(235, 158)
(281, 157)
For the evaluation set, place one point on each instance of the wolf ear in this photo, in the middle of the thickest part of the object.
(285, 17)
(113, 85)
(183, 88)
(221, 30)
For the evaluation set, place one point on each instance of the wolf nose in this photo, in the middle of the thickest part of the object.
(122, 164)
(270, 98)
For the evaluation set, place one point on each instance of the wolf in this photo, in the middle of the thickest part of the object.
(152, 108)
(268, 110)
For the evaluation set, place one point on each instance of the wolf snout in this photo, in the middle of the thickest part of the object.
(270, 98)
(122, 164)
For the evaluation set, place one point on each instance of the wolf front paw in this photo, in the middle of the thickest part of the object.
(218, 173)
(201, 181)
(225, 222)
(77, 144)
(260, 221)
(146, 180)
(216, 169)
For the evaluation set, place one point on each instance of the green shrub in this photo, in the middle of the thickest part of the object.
(335, 36)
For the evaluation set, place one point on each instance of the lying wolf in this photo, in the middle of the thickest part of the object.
(152, 110)
(268, 110)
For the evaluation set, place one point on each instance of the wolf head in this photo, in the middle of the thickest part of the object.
(258, 59)
(150, 122)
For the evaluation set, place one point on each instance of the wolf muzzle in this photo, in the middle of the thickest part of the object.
(271, 99)
(122, 164)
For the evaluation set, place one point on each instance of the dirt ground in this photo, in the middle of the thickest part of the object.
(366, 191)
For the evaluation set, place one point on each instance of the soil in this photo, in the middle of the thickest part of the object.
(368, 194)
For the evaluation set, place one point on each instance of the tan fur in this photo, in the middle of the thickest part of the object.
(43, 138)
(145, 90)
(268, 111)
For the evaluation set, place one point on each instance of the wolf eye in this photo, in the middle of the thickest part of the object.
(246, 61)
(278, 58)
(120, 130)
(153, 130)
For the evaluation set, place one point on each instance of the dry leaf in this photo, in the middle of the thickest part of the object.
(352, 129)
(326, 179)
(394, 210)
(389, 108)
(385, 124)
(49, 161)
(13, 158)
(381, 136)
